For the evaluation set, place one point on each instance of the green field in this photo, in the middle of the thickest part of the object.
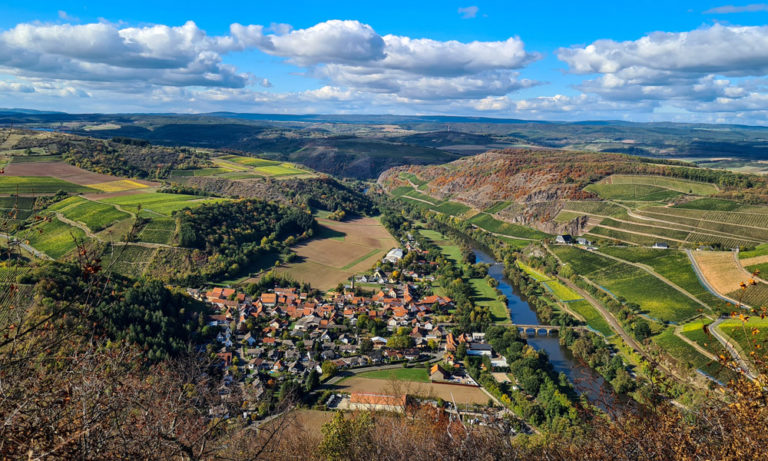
(536, 275)
(39, 185)
(640, 192)
(760, 250)
(675, 184)
(491, 224)
(708, 203)
(687, 355)
(695, 332)
(413, 178)
(597, 207)
(158, 230)
(418, 375)
(751, 335)
(656, 298)
(199, 172)
(592, 316)
(157, 203)
(54, 238)
(674, 265)
(95, 215)
(35, 158)
(497, 207)
(250, 161)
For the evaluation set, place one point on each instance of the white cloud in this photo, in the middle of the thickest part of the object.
(468, 12)
(728, 50)
(728, 9)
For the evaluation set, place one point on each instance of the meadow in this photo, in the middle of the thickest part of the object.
(157, 203)
(418, 375)
(675, 184)
(640, 192)
(592, 317)
(52, 237)
(95, 215)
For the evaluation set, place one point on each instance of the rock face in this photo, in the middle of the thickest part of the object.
(536, 183)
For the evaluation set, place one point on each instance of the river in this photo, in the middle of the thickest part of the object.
(584, 379)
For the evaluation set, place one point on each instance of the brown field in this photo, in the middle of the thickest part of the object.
(65, 172)
(754, 260)
(346, 249)
(296, 429)
(448, 392)
(722, 270)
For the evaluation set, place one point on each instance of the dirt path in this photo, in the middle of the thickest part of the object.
(90, 234)
(652, 272)
(694, 344)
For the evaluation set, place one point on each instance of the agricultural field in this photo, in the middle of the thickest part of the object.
(687, 356)
(158, 230)
(131, 261)
(695, 332)
(750, 335)
(39, 185)
(94, 182)
(674, 265)
(53, 237)
(491, 224)
(724, 274)
(343, 249)
(592, 317)
(639, 192)
(497, 207)
(95, 215)
(155, 204)
(675, 184)
(418, 375)
(448, 392)
(659, 300)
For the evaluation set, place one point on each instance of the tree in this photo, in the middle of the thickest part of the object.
(329, 368)
(366, 346)
(641, 330)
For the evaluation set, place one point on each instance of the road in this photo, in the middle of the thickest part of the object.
(29, 248)
(616, 326)
(745, 366)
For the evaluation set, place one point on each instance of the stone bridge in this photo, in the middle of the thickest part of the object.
(535, 330)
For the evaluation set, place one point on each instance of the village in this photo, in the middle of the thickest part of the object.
(284, 334)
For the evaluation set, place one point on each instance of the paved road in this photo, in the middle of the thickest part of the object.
(29, 248)
(744, 364)
(616, 326)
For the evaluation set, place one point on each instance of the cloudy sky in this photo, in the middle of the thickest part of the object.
(642, 60)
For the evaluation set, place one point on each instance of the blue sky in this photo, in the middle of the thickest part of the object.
(641, 60)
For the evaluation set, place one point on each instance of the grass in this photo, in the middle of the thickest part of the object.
(592, 316)
(54, 237)
(418, 375)
(760, 250)
(497, 207)
(679, 185)
(413, 178)
(35, 158)
(250, 161)
(582, 261)
(130, 261)
(491, 224)
(674, 265)
(95, 215)
(158, 203)
(158, 230)
(708, 203)
(744, 334)
(536, 275)
(39, 185)
(640, 192)
(452, 208)
(597, 207)
(361, 258)
(687, 355)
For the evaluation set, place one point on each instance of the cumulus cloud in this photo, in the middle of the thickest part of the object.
(468, 12)
(728, 9)
(160, 54)
(709, 69)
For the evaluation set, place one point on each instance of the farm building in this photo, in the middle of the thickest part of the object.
(661, 246)
(564, 239)
(394, 255)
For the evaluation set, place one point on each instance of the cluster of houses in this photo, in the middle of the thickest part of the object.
(285, 331)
